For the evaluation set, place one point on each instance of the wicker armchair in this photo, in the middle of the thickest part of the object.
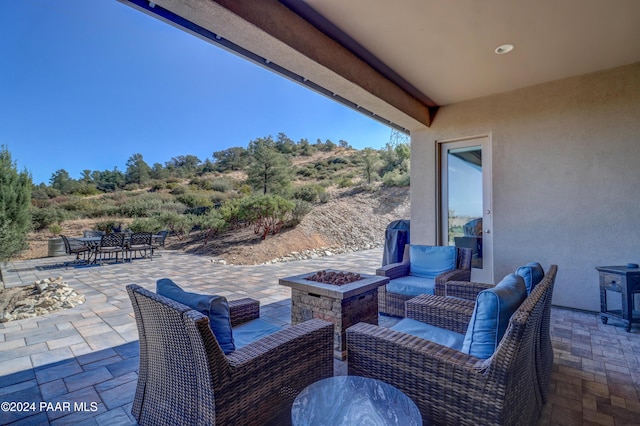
(451, 387)
(393, 303)
(185, 378)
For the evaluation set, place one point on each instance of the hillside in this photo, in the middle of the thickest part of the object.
(351, 220)
(344, 212)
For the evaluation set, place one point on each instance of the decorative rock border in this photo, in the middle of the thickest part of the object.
(43, 297)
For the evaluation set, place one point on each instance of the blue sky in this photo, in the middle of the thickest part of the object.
(84, 84)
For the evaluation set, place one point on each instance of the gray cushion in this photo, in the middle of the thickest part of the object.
(491, 315)
(442, 336)
(431, 261)
(532, 273)
(215, 308)
(253, 330)
(411, 286)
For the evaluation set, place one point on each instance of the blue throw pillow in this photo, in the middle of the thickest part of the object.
(532, 273)
(491, 315)
(215, 308)
(431, 261)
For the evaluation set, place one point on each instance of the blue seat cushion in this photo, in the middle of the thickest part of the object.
(253, 330)
(216, 308)
(491, 315)
(431, 261)
(411, 286)
(442, 336)
(532, 273)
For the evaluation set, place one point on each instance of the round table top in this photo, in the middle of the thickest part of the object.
(353, 401)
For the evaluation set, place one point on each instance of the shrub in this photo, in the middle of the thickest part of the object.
(245, 189)
(147, 224)
(141, 207)
(108, 226)
(232, 212)
(217, 198)
(345, 183)
(192, 199)
(268, 213)
(309, 193)
(177, 190)
(158, 185)
(324, 197)
(178, 224)
(210, 224)
(55, 229)
(221, 185)
(396, 178)
(301, 209)
(44, 217)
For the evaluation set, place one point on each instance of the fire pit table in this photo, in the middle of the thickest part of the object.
(343, 304)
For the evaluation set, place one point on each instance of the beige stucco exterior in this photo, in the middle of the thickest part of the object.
(566, 176)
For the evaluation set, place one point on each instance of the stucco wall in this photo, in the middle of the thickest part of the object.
(566, 176)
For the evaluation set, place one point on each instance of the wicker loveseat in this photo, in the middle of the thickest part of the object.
(391, 302)
(452, 387)
(185, 377)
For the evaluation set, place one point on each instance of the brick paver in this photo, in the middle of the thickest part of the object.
(88, 355)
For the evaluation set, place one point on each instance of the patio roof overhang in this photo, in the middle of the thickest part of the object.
(397, 62)
(272, 36)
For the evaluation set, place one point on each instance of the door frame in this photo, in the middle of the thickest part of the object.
(483, 140)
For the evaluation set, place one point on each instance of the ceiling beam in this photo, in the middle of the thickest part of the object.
(277, 20)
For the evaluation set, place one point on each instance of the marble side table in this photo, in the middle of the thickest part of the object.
(353, 401)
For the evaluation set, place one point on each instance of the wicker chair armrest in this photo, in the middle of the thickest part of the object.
(243, 310)
(435, 377)
(452, 275)
(386, 346)
(394, 270)
(444, 312)
(293, 347)
(465, 289)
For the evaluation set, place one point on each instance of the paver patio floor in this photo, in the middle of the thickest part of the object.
(88, 355)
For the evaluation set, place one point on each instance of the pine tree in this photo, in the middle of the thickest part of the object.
(15, 200)
(269, 171)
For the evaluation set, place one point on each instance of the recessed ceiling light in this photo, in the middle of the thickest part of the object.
(505, 48)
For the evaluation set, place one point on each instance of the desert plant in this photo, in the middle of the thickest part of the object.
(108, 226)
(43, 217)
(55, 229)
(345, 183)
(268, 213)
(194, 199)
(301, 209)
(396, 178)
(178, 224)
(210, 224)
(309, 193)
(146, 224)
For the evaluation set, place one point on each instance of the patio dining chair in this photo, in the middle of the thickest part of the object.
(158, 240)
(140, 242)
(109, 245)
(76, 247)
